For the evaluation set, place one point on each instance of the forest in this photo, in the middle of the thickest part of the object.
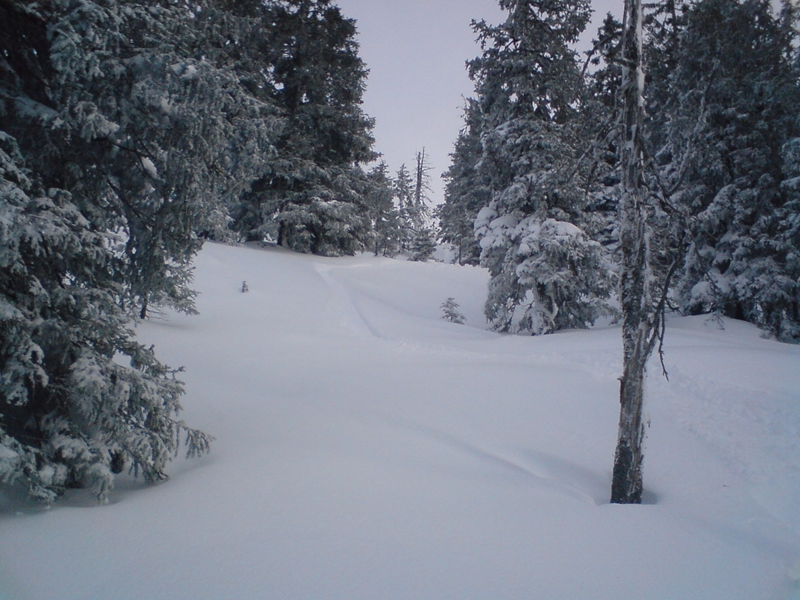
(132, 132)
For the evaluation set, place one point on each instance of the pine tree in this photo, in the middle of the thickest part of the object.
(71, 412)
(411, 192)
(604, 56)
(465, 192)
(311, 198)
(451, 313)
(423, 245)
(145, 137)
(119, 140)
(546, 272)
(725, 131)
(385, 217)
(403, 190)
(603, 82)
(783, 289)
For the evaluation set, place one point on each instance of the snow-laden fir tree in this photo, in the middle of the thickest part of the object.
(385, 216)
(80, 400)
(423, 245)
(403, 193)
(146, 137)
(603, 81)
(411, 193)
(547, 273)
(311, 197)
(451, 313)
(465, 192)
(421, 216)
(119, 141)
(783, 318)
(724, 148)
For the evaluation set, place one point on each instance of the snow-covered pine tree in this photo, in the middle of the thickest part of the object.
(72, 413)
(546, 272)
(465, 192)
(130, 135)
(451, 313)
(311, 197)
(385, 217)
(784, 292)
(147, 138)
(403, 191)
(604, 57)
(603, 79)
(730, 113)
(423, 245)
(411, 191)
(235, 35)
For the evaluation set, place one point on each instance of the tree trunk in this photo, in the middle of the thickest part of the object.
(626, 485)
(420, 178)
(635, 301)
(143, 311)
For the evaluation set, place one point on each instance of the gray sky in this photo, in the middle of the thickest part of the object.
(416, 51)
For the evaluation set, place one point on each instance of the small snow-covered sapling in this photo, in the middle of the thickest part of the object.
(451, 312)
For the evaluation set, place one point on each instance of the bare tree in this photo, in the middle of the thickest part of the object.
(422, 187)
(640, 319)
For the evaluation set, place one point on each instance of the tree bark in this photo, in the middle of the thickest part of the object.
(635, 301)
(627, 482)
(143, 311)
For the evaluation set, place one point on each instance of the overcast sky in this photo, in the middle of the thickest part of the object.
(416, 52)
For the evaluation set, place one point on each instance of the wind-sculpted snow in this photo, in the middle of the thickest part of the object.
(369, 449)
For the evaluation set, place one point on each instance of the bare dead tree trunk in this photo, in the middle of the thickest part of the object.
(421, 188)
(637, 307)
(420, 176)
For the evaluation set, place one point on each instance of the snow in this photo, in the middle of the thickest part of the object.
(149, 167)
(367, 448)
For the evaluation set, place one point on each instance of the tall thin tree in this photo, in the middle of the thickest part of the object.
(639, 319)
(421, 183)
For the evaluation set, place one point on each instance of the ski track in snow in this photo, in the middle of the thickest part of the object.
(535, 466)
(369, 449)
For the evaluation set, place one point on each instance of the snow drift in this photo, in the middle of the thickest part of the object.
(367, 448)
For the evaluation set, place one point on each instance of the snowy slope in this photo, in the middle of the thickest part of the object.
(368, 449)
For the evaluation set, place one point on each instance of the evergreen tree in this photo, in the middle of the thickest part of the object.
(145, 137)
(465, 192)
(783, 289)
(385, 217)
(605, 55)
(123, 127)
(423, 245)
(71, 412)
(546, 272)
(451, 313)
(605, 178)
(730, 115)
(411, 191)
(311, 198)
(403, 190)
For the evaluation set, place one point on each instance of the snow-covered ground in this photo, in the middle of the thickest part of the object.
(368, 449)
